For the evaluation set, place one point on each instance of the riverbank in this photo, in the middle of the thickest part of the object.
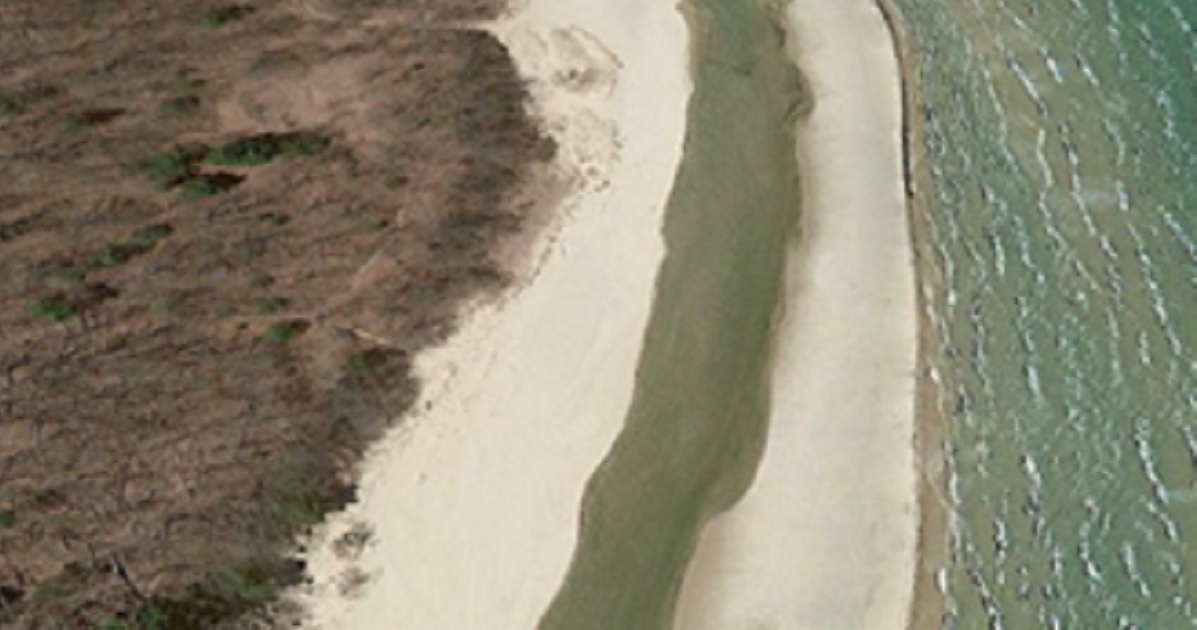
(468, 512)
(826, 536)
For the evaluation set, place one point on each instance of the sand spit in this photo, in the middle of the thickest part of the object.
(472, 503)
(826, 537)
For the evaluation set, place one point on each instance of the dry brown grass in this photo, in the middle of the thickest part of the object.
(161, 441)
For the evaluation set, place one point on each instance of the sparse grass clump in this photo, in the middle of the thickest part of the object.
(53, 309)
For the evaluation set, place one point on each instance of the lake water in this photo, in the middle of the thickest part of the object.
(1062, 138)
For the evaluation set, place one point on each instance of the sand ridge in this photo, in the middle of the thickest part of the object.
(469, 509)
(826, 537)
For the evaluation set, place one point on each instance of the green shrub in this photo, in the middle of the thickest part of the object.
(110, 256)
(147, 237)
(8, 107)
(180, 105)
(248, 582)
(283, 332)
(167, 170)
(301, 144)
(53, 309)
(275, 219)
(271, 306)
(49, 592)
(8, 518)
(262, 149)
(200, 187)
(298, 497)
(217, 18)
(75, 124)
(364, 363)
(248, 152)
(68, 276)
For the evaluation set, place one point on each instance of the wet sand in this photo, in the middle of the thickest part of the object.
(826, 537)
(473, 501)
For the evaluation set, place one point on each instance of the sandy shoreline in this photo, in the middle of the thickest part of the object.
(473, 501)
(927, 604)
(826, 537)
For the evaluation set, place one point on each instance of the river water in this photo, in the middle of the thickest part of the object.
(1062, 138)
(697, 423)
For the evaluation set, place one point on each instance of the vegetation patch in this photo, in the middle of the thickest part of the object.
(282, 333)
(165, 354)
(8, 107)
(276, 219)
(207, 185)
(171, 168)
(83, 121)
(53, 309)
(265, 148)
(273, 305)
(147, 237)
(218, 17)
(49, 592)
(110, 256)
(68, 276)
(180, 105)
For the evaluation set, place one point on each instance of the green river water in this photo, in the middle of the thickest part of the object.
(696, 427)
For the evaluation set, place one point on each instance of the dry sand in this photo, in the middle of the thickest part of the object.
(473, 501)
(826, 537)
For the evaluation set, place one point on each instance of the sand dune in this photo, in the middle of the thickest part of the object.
(826, 536)
(473, 502)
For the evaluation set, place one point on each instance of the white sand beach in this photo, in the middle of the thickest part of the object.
(473, 500)
(826, 537)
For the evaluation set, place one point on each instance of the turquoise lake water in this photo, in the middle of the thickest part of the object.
(1062, 137)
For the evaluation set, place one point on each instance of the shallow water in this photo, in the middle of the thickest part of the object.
(1062, 137)
(697, 423)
